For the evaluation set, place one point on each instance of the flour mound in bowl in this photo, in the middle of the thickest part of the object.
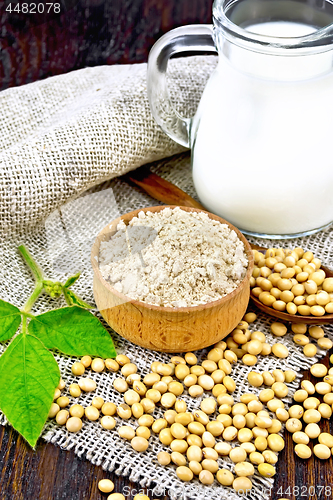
(173, 258)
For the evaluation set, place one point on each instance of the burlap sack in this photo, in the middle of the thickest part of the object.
(63, 135)
(60, 137)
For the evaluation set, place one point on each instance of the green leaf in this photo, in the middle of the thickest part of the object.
(67, 297)
(71, 280)
(74, 331)
(74, 300)
(10, 320)
(29, 376)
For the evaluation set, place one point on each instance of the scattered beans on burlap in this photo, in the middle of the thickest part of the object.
(195, 440)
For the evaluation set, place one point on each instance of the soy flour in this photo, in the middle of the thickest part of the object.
(173, 258)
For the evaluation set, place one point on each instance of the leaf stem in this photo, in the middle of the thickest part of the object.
(39, 277)
(27, 315)
(34, 267)
(32, 299)
(24, 325)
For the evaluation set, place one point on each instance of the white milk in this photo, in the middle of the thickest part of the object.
(262, 156)
(281, 29)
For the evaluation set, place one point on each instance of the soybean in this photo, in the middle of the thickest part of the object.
(266, 470)
(322, 451)
(105, 485)
(139, 444)
(225, 477)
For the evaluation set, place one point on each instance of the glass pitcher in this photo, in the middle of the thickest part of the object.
(261, 139)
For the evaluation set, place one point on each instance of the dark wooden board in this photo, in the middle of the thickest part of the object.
(87, 33)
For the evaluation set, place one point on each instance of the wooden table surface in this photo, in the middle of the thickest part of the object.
(35, 46)
(86, 33)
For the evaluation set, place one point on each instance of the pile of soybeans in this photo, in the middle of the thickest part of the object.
(292, 281)
(194, 441)
(248, 430)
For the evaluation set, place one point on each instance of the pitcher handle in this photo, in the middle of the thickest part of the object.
(196, 37)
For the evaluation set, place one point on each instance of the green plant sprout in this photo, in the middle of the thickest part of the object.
(29, 374)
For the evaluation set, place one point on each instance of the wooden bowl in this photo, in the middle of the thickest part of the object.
(169, 329)
(292, 318)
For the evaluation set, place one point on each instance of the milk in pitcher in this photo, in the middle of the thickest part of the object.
(268, 174)
(261, 138)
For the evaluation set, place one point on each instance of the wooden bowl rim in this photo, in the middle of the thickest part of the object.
(144, 305)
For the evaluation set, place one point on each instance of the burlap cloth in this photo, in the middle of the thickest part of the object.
(60, 137)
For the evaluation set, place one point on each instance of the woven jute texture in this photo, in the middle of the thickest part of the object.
(62, 135)
(60, 235)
